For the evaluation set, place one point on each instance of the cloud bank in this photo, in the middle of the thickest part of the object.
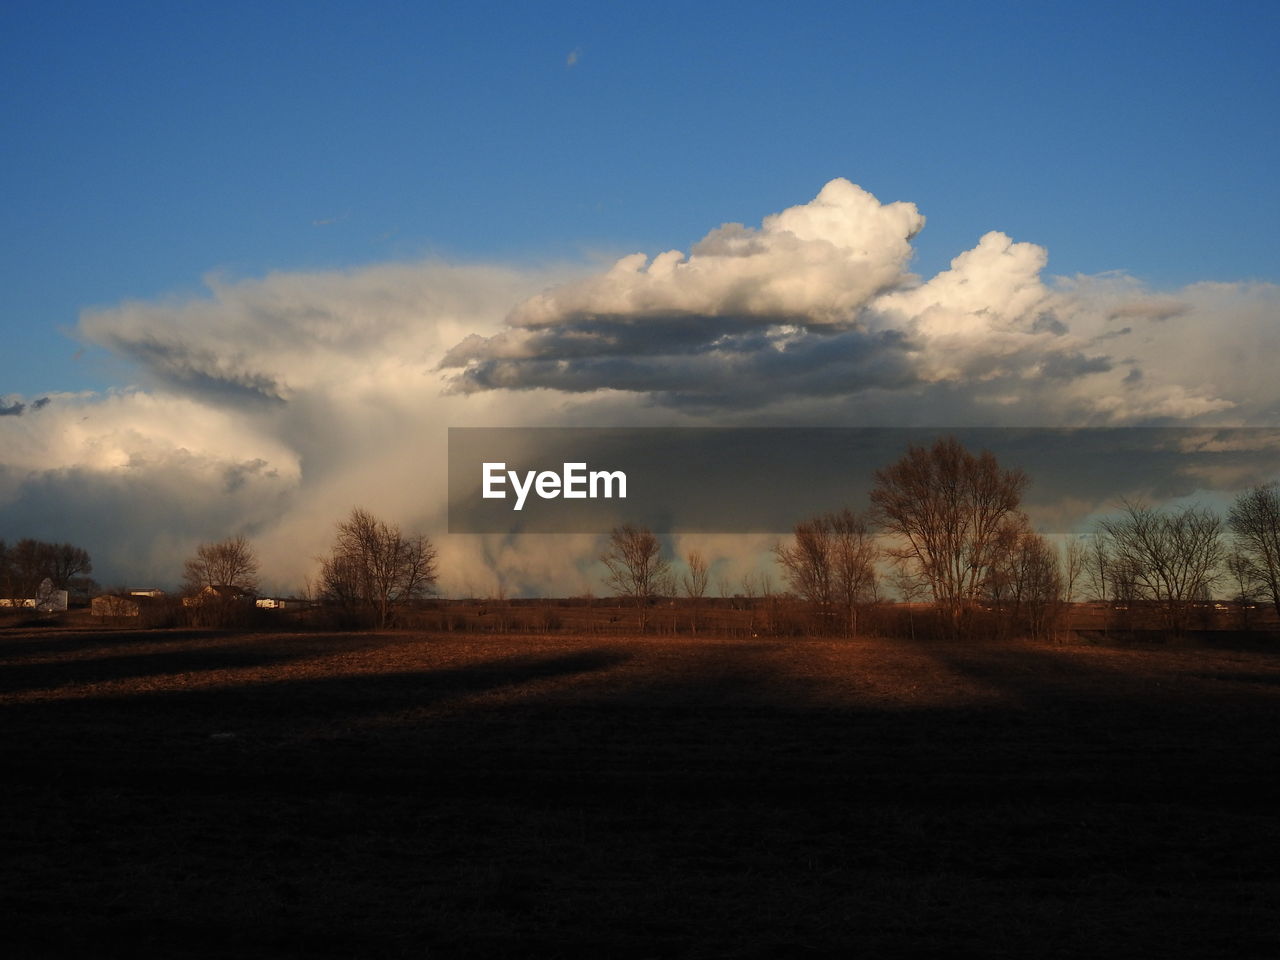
(271, 406)
(818, 303)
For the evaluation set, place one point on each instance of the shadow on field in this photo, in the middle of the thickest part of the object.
(1160, 734)
(1266, 679)
(21, 677)
(669, 798)
(37, 643)
(275, 706)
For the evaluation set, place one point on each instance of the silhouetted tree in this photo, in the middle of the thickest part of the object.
(1074, 562)
(1169, 557)
(227, 563)
(30, 561)
(6, 573)
(375, 567)
(1246, 587)
(946, 506)
(1024, 579)
(1097, 567)
(910, 588)
(695, 581)
(634, 566)
(1255, 526)
(68, 562)
(830, 564)
(25, 564)
(807, 566)
(854, 554)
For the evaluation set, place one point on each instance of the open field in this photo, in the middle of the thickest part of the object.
(184, 793)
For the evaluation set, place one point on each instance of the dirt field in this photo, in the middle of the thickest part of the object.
(177, 793)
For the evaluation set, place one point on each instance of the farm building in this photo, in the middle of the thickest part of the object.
(282, 603)
(217, 594)
(46, 600)
(148, 610)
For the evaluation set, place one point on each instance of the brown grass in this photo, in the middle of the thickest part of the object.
(186, 793)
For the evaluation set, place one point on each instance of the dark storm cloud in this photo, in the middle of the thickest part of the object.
(17, 408)
(226, 377)
(731, 368)
(1069, 366)
(1048, 323)
(138, 523)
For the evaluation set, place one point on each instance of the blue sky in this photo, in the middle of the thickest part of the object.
(148, 144)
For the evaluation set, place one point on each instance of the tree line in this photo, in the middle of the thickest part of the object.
(372, 570)
(944, 525)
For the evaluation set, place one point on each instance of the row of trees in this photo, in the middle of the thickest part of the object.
(954, 534)
(372, 569)
(1174, 559)
(945, 525)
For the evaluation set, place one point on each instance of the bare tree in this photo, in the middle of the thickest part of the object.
(634, 566)
(1168, 557)
(807, 564)
(227, 563)
(666, 589)
(29, 563)
(220, 580)
(1097, 567)
(66, 562)
(695, 581)
(854, 554)
(945, 506)
(1108, 580)
(1073, 565)
(1024, 579)
(375, 567)
(1074, 561)
(26, 564)
(1246, 586)
(830, 564)
(1254, 520)
(910, 587)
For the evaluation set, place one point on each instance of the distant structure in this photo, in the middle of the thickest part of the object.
(282, 603)
(46, 600)
(217, 594)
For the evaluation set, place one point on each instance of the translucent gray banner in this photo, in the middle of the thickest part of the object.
(765, 480)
